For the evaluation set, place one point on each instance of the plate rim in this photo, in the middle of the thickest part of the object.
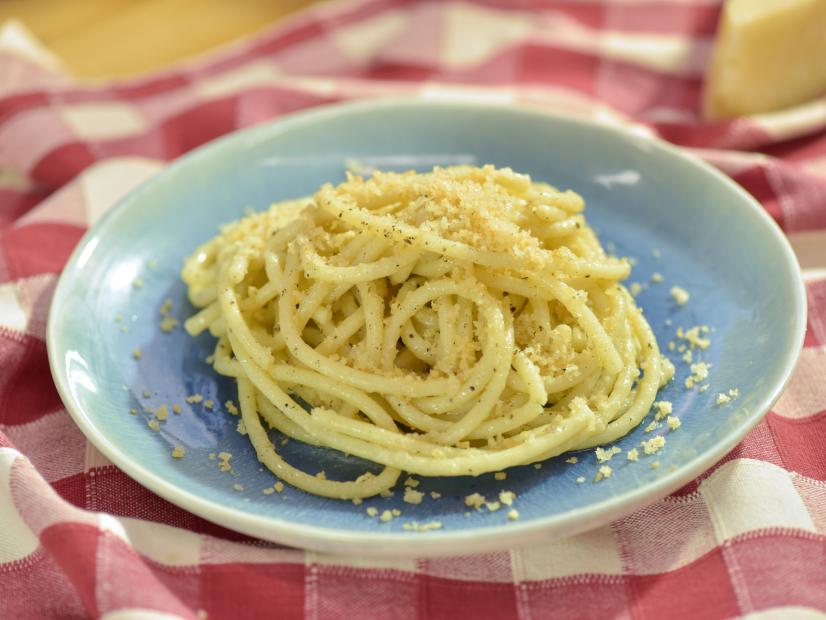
(433, 543)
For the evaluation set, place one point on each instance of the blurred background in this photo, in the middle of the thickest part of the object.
(764, 55)
(140, 35)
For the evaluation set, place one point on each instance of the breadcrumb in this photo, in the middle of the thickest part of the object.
(241, 428)
(475, 500)
(572, 460)
(680, 295)
(162, 412)
(168, 324)
(278, 486)
(133, 411)
(356, 501)
(372, 511)
(224, 458)
(653, 426)
(699, 373)
(500, 475)
(693, 338)
(537, 465)
(604, 471)
(178, 452)
(580, 480)
(653, 445)
(209, 403)
(722, 399)
(238, 487)
(633, 454)
(176, 409)
(673, 422)
(268, 491)
(493, 506)
(664, 409)
(655, 465)
(513, 514)
(321, 475)
(604, 455)
(137, 283)
(507, 497)
(194, 399)
(412, 496)
(154, 425)
(230, 406)
(386, 516)
(411, 482)
(137, 354)
(657, 277)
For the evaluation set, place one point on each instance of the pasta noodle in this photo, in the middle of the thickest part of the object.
(456, 322)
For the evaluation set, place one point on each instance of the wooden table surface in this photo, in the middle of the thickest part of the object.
(114, 38)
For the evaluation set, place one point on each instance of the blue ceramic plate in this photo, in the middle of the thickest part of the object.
(676, 215)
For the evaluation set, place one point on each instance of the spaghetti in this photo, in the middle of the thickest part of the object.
(451, 323)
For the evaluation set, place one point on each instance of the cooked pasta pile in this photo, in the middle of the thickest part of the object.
(451, 323)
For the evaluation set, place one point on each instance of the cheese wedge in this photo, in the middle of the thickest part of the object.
(769, 55)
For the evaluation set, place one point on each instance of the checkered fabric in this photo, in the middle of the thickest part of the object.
(78, 538)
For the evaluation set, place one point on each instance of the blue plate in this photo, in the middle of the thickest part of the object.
(675, 214)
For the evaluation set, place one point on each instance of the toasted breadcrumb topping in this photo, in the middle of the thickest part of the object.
(653, 445)
(475, 500)
(605, 471)
(412, 496)
(680, 295)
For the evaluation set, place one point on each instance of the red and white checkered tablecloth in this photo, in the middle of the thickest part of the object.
(78, 538)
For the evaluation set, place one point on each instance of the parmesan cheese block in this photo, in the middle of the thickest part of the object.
(769, 55)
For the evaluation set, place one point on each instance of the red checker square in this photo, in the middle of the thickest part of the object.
(816, 321)
(63, 164)
(127, 580)
(589, 597)
(701, 589)
(796, 440)
(38, 248)
(778, 569)
(357, 593)
(448, 599)
(74, 547)
(114, 492)
(253, 590)
(37, 573)
(26, 388)
(72, 489)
